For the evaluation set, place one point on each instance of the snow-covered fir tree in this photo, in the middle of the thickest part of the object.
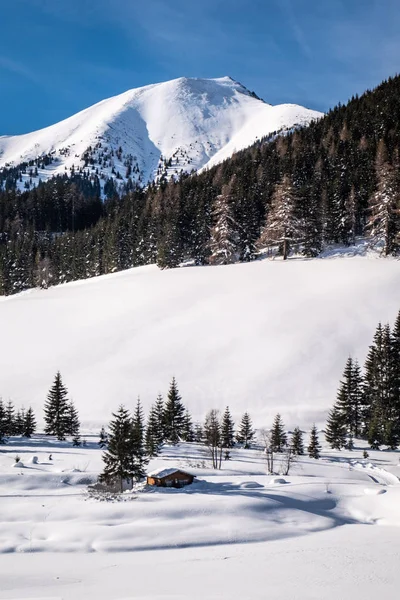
(227, 432)
(224, 238)
(246, 433)
(174, 413)
(278, 435)
(119, 464)
(335, 431)
(283, 226)
(297, 444)
(153, 442)
(384, 204)
(3, 423)
(314, 447)
(29, 423)
(187, 428)
(56, 409)
(140, 459)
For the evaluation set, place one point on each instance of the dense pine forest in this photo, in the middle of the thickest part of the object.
(327, 183)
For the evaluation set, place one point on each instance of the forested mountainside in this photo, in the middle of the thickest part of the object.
(326, 183)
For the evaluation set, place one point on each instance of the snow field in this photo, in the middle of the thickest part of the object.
(266, 337)
(235, 533)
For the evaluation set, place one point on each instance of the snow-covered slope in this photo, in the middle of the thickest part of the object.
(156, 130)
(266, 336)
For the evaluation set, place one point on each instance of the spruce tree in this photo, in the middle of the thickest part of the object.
(246, 433)
(119, 464)
(3, 423)
(278, 435)
(227, 432)
(103, 438)
(314, 447)
(283, 227)
(140, 459)
(73, 424)
(335, 432)
(187, 428)
(384, 204)
(174, 413)
(297, 444)
(152, 442)
(29, 423)
(56, 409)
(224, 238)
(350, 398)
(19, 422)
(159, 426)
(10, 419)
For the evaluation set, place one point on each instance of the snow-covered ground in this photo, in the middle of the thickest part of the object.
(266, 336)
(330, 531)
(194, 122)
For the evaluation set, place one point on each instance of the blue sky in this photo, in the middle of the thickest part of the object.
(60, 56)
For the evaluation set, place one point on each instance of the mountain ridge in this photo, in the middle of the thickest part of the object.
(149, 133)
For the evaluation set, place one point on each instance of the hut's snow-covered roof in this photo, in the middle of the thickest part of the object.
(160, 473)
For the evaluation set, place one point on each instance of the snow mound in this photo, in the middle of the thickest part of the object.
(278, 480)
(251, 485)
(375, 491)
(18, 465)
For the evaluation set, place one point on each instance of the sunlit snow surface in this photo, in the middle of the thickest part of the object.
(266, 336)
(331, 530)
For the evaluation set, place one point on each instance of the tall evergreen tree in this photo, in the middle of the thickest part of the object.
(297, 443)
(29, 423)
(19, 422)
(383, 223)
(227, 432)
(174, 413)
(283, 226)
(56, 409)
(224, 239)
(10, 418)
(314, 447)
(349, 403)
(187, 428)
(246, 433)
(3, 423)
(73, 423)
(152, 439)
(119, 464)
(335, 431)
(278, 435)
(140, 459)
(160, 420)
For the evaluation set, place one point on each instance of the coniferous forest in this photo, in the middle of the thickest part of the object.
(323, 184)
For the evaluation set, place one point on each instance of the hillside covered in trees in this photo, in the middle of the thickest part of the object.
(326, 183)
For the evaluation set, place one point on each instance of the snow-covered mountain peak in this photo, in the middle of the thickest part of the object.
(151, 132)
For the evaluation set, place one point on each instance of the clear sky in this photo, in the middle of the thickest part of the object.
(60, 56)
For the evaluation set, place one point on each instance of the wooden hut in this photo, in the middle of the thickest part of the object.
(169, 478)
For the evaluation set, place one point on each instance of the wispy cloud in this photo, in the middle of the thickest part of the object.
(13, 66)
(294, 24)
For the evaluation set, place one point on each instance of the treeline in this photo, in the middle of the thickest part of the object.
(15, 422)
(368, 400)
(326, 183)
(60, 416)
(129, 441)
